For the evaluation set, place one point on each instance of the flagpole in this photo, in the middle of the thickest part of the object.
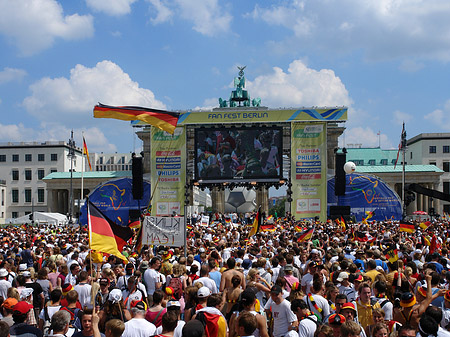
(403, 142)
(82, 172)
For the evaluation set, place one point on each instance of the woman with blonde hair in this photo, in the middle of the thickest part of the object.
(378, 317)
(324, 331)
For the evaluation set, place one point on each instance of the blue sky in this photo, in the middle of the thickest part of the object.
(387, 60)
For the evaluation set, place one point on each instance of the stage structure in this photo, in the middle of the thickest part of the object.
(244, 144)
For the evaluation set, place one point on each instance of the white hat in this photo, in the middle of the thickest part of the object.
(201, 250)
(203, 292)
(26, 273)
(115, 295)
(342, 275)
(173, 304)
(22, 267)
(3, 272)
(106, 265)
(25, 293)
(315, 251)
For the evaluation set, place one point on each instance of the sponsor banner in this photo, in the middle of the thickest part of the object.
(259, 115)
(163, 231)
(309, 146)
(168, 159)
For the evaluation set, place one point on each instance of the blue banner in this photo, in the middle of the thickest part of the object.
(364, 193)
(115, 199)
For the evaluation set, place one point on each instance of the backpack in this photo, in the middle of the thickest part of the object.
(75, 320)
(177, 286)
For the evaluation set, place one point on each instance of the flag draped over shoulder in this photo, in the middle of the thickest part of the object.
(164, 120)
(407, 227)
(306, 235)
(86, 153)
(256, 224)
(104, 235)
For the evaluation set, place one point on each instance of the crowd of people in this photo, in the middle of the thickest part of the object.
(344, 280)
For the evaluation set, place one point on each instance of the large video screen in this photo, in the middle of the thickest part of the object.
(238, 154)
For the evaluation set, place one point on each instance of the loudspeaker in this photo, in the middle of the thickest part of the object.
(336, 212)
(138, 178)
(339, 177)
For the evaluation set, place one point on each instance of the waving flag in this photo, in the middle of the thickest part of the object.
(86, 153)
(402, 143)
(306, 235)
(425, 225)
(268, 228)
(407, 227)
(391, 254)
(164, 120)
(104, 235)
(256, 223)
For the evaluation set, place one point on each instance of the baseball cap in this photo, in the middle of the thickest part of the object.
(22, 267)
(276, 289)
(106, 265)
(407, 300)
(3, 272)
(26, 292)
(348, 305)
(115, 295)
(342, 275)
(22, 308)
(288, 268)
(203, 292)
(140, 305)
(9, 303)
(26, 273)
(336, 319)
(173, 305)
(358, 278)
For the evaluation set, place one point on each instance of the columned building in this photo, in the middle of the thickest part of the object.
(23, 165)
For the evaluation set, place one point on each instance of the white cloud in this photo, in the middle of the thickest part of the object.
(111, 7)
(163, 13)
(207, 16)
(11, 74)
(33, 25)
(383, 29)
(410, 66)
(440, 118)
(366, 137)
(299, 86)
(72, 99)
(95, 138)
(400, 117)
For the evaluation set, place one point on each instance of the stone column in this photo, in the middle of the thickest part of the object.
(263, 199)
(218, 200)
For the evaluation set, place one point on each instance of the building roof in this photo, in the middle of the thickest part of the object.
(428, 136)
(398, 169)
(362, 156)
(89, 175)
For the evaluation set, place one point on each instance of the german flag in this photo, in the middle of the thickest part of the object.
(305, 235)
(268, 228)
(343, 226)
(86, 153)
(391, 254)
(164, 120)
(407, 227)
(227, 220)
(298, 228)
(256, 224)
(104, 235)
(189, 227)
(425, 225)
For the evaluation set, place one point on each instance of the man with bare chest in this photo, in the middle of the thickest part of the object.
(228, 274)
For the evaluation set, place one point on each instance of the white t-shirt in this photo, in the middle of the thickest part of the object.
(282, 317)
(178, 332)
(84, 294)
(209, 283)
(321, 303)
(4, 286)
(151, 277)
(139, 327)
(307, 327)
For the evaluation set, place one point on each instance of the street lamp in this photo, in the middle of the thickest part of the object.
(71, 157)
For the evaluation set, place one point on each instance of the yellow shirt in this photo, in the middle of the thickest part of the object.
(372, 274)
(365, 313)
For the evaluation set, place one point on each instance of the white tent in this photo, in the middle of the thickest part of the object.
(43, 218)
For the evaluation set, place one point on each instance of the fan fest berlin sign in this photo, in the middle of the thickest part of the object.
(309, 170)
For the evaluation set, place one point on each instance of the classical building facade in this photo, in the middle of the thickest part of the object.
(23, 165)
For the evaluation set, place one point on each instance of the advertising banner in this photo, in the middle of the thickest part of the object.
(163, 231)
(168, 171)
(309, 170)
(249, 115)
(367, 193)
